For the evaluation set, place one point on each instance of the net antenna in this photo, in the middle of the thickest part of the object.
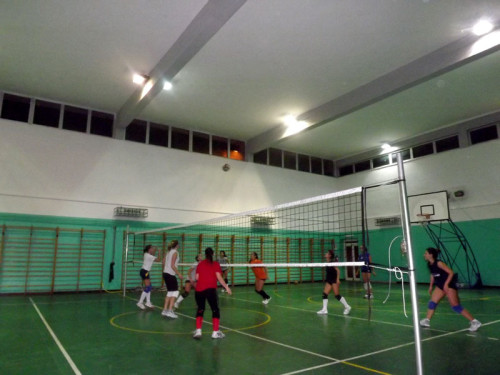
(291, 239)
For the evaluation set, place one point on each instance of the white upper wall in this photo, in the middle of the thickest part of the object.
(46, 171)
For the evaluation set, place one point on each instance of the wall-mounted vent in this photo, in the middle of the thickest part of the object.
(387, 221)
(261, 221)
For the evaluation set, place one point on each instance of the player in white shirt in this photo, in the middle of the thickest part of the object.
(149, 258)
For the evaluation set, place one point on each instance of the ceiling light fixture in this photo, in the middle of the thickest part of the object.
(482, 27)
(167, 86)
(293, 125)
(139, 79)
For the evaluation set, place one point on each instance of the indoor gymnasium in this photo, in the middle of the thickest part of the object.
(249, 187)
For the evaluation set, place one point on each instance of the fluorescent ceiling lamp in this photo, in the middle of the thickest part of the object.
(167, 86)
(293, 126)
(386, 148)
(482, 27)
(139, 79)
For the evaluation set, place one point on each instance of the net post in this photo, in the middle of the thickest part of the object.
(411, 272)
(125, 263)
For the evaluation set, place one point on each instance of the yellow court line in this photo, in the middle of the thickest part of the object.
(365, 368)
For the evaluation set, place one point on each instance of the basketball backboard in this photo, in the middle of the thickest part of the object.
(428, 207)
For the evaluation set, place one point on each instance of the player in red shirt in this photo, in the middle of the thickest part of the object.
(208, 273)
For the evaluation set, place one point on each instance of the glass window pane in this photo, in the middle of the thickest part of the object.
(275, 157)
(381, 161)
(219, 146)
(75, 119)
(328, 168)
(422, 150)
(260, 157)
(345, 170)
(158, 135)
(446, 144)
(405, 154)
(290, 160)
(362, 166)
(15, 108)
(136, 131)
(180, 139)
(101, 124)
(47, 113)
(484, 134)
(304, 163)
(237, 150)
(316, 166)
(201, 143)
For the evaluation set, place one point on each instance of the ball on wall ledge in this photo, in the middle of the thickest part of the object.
(226, 167)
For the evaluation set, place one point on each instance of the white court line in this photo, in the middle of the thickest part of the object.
(61, 348)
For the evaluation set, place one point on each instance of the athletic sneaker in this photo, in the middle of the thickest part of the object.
(164, 313)
(223, 290)
(427, 323)
(366, 296)
(141, 306)
(197, 334)
(172, 315)
(322, 312)
(266, 301)
(218, 335)
(150, 305)
(347, 310)
(474, 325)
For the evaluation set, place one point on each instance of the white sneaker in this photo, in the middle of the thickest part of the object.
(266, 301)
(347, 310)
(322, 312)
(474, 325)
(141, 306)
(366, 296)
(172, 315)
(197, 334)
(164, 313)
(150, 305)
(218, 335)
(223, 291)
(427, 323)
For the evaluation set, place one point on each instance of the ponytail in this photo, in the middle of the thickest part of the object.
(209, 254)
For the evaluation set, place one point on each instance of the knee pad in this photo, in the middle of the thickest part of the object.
(148, 289)
(432, 305)
(338, 296)
(325, 296)
(173, 294)
(458, 309)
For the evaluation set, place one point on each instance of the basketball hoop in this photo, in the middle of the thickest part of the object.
(424, 218)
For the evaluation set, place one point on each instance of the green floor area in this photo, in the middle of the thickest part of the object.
(105, 333)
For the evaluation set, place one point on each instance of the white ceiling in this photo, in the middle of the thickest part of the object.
(362, 72)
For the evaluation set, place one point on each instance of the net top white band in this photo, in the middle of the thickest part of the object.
(289, 265)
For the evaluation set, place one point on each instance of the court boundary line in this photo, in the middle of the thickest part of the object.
(59, 345)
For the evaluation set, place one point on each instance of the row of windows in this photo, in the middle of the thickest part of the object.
(67, 117)
(483, 134)
(292, 160)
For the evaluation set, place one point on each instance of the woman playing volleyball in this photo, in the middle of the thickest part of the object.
(149, 258)
(208, 273)
(169, 272)
(332, 282)
(190, 282)
(260, 278)
(444, 280)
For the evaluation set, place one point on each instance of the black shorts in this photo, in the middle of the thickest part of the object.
(144, 274)
(170, 282)
(452, 284)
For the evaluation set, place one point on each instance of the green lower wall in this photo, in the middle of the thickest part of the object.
(483, 236)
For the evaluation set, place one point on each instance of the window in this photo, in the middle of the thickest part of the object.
(260, 157)
(47, 113)
(483, 134)
(75, 119)
(219, 146)
(345, 170)
(447, 144)
(316, 166)
(422, 150)
(304, 163)
(328, 168)
(101, 124)
(136, 131)
(362, 166)
(275, 157)
(237, 150)
(405, 154)
(381, 161)
(15, 108)
(289, 160)
(180, 139)
(201, 143)
(158, 134)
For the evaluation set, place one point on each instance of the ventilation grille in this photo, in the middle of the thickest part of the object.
(386, 221)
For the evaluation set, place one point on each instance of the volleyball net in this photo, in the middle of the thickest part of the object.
(290, 239)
